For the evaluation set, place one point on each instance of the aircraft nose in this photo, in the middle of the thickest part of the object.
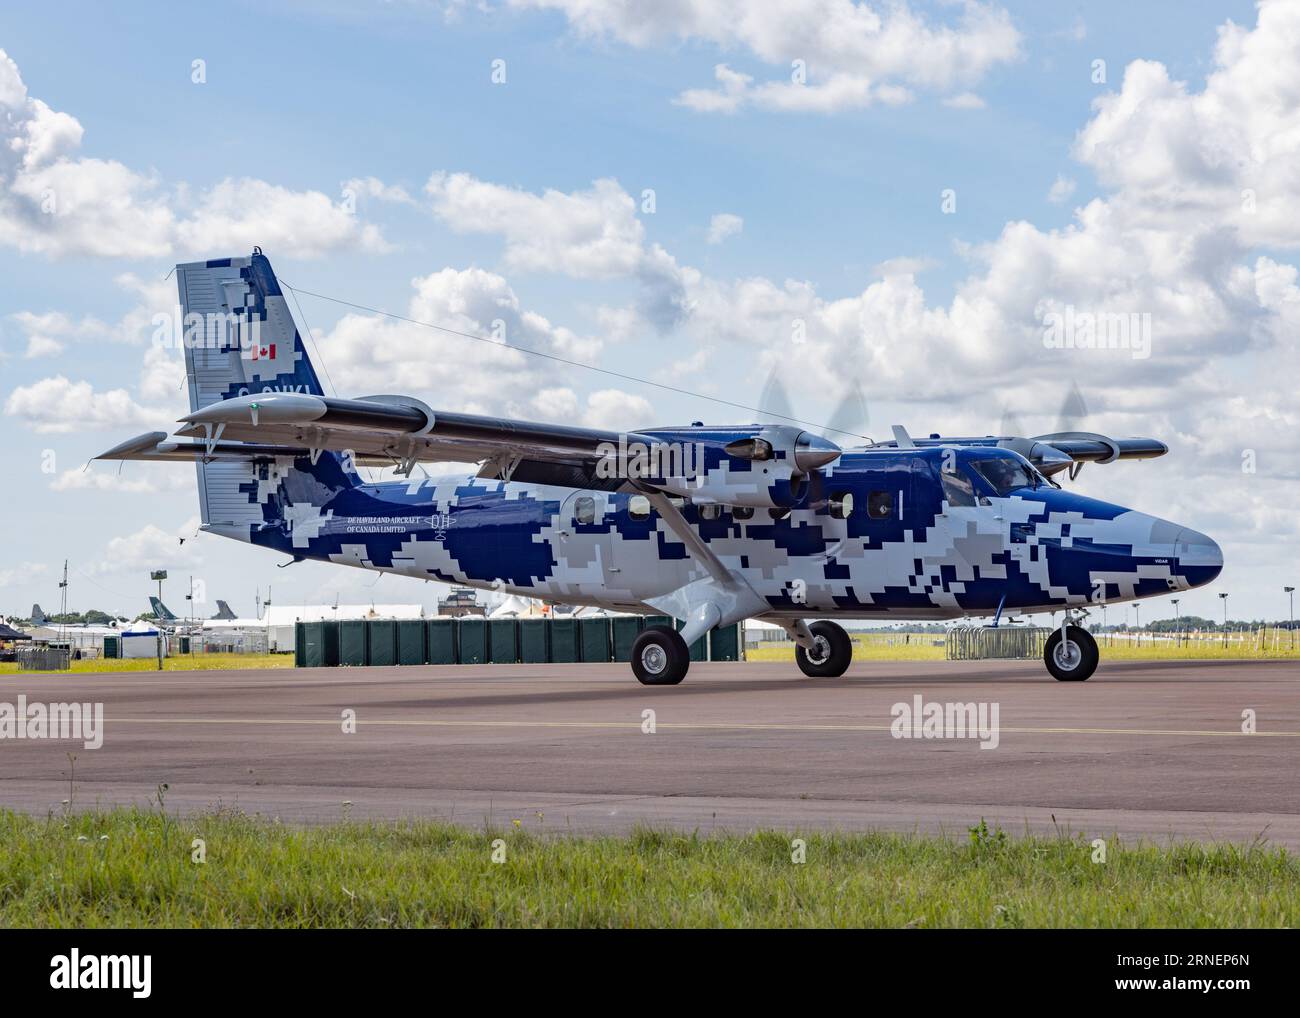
(1200, 559)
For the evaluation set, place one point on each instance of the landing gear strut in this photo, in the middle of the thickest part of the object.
(830, 652)
(660, 657)
(1072, 657)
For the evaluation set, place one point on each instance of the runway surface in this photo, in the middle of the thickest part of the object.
(1150, 750)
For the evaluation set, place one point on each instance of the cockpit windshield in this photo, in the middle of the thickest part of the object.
(1005, 474)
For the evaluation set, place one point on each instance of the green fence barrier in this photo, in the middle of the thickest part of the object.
(319, 642)
(624, 630)
(112, 647)
(724, 643)
(476, 640)
(471, 641)
(440, 642)
(564, 640)
(503, 641)
(383, 642)
(410, 642)
(594, 639)
(534, 642)
(354, 650)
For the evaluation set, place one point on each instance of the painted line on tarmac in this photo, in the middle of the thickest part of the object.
(719, 726)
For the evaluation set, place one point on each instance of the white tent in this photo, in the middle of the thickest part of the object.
(140, 639)
(516, 607)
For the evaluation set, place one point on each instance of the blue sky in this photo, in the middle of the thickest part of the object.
(308, 96)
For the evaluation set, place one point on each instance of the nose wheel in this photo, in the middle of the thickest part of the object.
(830, 654)
(1073, 658)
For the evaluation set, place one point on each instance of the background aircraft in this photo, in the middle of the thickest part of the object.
(160, 611)
(708, 524)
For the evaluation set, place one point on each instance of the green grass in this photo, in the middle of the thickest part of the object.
(922, 647)
(866, 647)
(133, 868)
(178, 663)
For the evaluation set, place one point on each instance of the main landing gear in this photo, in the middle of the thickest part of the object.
(660, 657)
(1071, 654)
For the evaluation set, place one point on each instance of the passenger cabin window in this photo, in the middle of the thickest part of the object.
(880, 505)
(584, 510)
(710, 512)
(742, 512)
(957, 488)
(1004, 474)
(841, 505)
(638, 507)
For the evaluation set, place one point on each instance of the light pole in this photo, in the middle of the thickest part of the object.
(159, 575)
(1224, 599)
(1177, 628)
(1137, 620)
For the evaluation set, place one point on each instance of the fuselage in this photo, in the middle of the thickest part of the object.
(929, 533)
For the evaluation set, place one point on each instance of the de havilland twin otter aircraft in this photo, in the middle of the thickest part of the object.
(708, 524)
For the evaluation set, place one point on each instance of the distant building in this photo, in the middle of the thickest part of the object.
(758, 631)
(461, 601)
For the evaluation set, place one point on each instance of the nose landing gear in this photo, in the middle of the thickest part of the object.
(1071, 654)
(827, 651)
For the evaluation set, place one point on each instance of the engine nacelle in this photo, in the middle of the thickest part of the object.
(761, 468)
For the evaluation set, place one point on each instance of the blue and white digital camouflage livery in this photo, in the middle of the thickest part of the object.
(710, 525)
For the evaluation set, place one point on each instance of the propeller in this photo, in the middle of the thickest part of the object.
(1069, 448)
(849, 419)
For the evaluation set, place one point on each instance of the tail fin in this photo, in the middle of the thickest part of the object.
(160, 611)
(223, 612)
(239, 335)
(39, 618)
(240, 338)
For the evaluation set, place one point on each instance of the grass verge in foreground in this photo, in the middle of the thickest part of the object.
(176, 663)
(136, 868)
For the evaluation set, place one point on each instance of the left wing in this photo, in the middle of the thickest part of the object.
(385, 430)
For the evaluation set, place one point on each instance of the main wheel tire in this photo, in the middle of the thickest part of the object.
(660, 657)
(833, 653)
(1074, 660)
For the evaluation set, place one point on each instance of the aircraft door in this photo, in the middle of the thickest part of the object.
(633, 560)
(584, 529)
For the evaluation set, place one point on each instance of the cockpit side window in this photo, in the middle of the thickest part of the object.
(957, 487)
(1004, 474)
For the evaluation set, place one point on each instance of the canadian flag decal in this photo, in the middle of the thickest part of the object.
(257, 352)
